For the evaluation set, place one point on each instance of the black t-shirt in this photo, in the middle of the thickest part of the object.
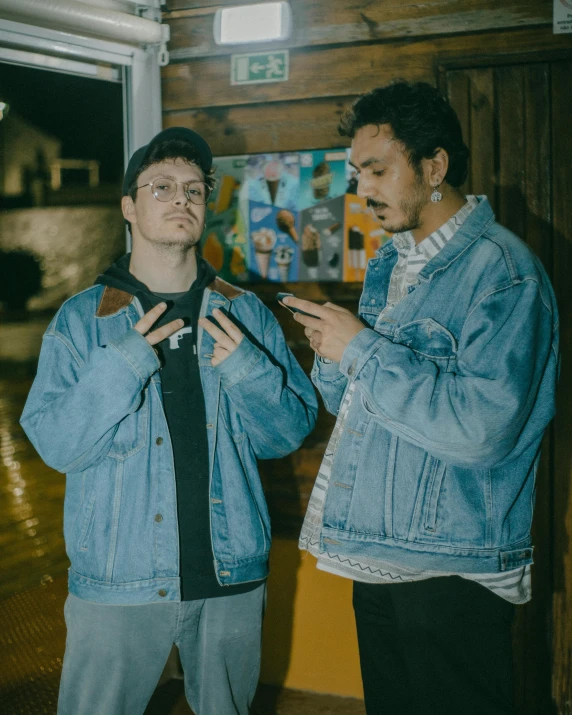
(184, 405)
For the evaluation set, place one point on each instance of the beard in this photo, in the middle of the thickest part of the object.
(410, 208)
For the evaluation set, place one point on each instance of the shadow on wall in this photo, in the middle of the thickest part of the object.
(20, 280)
(71, 244)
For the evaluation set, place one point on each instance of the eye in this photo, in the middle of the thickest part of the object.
(378, 172)
(162, 186)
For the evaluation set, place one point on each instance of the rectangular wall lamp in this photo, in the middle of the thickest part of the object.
(263, 22)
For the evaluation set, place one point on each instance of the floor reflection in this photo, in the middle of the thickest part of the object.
(31, 503)
(33, 587)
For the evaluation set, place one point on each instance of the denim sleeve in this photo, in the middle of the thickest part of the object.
(330, 382)
(271, 393)
(475, 414)
(75, 406)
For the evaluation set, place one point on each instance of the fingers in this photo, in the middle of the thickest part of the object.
(308, 321)
(228, 326)
(163, 332)
(150, 318)
(307, 306)
(218, 335)
(333, 306)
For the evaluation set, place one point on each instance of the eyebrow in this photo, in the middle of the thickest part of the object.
(367, 162)
(173, 178)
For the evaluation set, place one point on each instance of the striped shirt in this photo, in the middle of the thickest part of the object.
(514, 585)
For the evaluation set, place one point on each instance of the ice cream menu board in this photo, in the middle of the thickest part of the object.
(289, 217)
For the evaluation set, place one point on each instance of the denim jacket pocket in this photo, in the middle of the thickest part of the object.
(428, 339)
(131, 435)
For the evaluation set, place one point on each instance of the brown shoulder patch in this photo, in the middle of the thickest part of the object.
(112, 301)
(229, 291)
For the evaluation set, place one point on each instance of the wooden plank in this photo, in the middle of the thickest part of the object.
(457, 89)
(482, 102)
(254, 129)
(327, 72)
(562, 520)
(510, 117)
(317, 22)
(534, 659)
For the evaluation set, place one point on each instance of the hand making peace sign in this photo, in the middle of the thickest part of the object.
(226, 340)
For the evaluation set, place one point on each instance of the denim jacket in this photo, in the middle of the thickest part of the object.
(454, 386)
(95, 412)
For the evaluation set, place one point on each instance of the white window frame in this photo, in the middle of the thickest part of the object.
(136, 68)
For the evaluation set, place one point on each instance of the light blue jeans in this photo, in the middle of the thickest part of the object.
(115, 654)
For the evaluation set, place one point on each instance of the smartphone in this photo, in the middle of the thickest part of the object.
(280, 297)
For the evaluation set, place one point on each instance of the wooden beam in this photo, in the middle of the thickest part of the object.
(341, 22)
(254, 129)
(337, 72)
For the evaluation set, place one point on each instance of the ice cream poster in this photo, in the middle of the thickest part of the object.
(225, 245)
(272, 179)
(274, 243)
(322, 241)
(363, 236)
(229, 175)
(322, 176)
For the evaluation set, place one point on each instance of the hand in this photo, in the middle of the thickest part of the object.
(226, 340)
(330, 331)
(150, 318)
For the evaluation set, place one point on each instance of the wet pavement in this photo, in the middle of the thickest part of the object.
(33, 585)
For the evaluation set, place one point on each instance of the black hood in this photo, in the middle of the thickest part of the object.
(118, 276)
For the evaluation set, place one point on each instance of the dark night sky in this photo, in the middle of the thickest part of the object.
(86, 114)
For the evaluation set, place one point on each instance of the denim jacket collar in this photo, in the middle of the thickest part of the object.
(471, 230)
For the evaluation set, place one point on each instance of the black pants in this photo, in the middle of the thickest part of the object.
(435, 647)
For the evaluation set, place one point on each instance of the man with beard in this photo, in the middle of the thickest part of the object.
(157, 391)
(442, 389)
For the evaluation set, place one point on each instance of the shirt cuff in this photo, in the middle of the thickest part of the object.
(239, 363)
(138, 352)
(358, 351)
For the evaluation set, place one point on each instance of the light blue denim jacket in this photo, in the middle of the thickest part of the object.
(435, 468)
(95, 412)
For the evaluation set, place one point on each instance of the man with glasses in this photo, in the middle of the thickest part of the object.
(157, 390)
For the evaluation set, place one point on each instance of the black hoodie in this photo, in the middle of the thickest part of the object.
(184, 404)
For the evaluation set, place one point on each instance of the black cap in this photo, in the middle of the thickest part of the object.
(179, 133)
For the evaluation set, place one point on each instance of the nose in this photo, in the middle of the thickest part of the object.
(180, 198)
(365, 187)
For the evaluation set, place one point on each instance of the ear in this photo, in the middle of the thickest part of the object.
(436, 168)
(128, 209)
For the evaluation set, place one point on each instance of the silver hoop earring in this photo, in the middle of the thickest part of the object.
(436, 196)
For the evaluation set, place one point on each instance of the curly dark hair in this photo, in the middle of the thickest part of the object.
(172, 149)
(420, 118)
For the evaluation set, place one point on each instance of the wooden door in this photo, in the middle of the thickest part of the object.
(516, 120)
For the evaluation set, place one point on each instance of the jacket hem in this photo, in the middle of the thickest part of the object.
(427, 557)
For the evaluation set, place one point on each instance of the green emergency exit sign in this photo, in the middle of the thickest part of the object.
(259, 67)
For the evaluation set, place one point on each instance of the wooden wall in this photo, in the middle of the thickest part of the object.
(342, 48)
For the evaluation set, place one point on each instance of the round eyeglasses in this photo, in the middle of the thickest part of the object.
(197, 192)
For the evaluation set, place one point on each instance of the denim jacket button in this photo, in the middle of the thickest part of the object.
(159, 441)
(162, 592)
(158, 517)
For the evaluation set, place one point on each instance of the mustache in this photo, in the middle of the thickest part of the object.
(373, 204)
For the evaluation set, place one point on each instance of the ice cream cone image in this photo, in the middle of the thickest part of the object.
(264, 241)
(283, 256)
(286, 222)
(322, 178)
(273, 173)
(311, 245)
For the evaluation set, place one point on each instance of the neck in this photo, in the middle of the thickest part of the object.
(163, 270)
(434, 215)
